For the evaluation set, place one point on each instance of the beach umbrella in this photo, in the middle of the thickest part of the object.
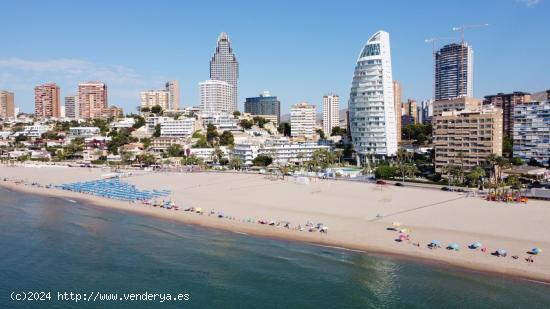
(501, 252)
(454, 246)
(435, 242)
(536, 250)
(476, 245)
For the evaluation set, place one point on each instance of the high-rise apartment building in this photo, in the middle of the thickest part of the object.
(92, 100)
(425, 112)
(331, 113)
(371, 105)
(71, 107)
(151, 98)
(397, 93)
(46, 101)
(224, 67)
(263, 105)
(466, 138)
(506, 102)
(173, 89)
(216, 96)
(531, 131)
(302, 120)
(454, 71)
(7, 104)
(411, 109)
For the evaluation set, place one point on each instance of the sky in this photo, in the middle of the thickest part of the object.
(298, 50)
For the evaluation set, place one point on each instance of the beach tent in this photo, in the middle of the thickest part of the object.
(501, 252)
(435, 243)
(536, 251)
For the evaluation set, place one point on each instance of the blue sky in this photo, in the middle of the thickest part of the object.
(299, 50)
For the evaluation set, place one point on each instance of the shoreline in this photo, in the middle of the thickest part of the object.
(246, 229)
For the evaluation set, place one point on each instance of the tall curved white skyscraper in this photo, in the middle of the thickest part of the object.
(372, 114)
(224, 67)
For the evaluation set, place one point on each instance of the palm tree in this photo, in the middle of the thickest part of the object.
(475, 176)
(402, 157)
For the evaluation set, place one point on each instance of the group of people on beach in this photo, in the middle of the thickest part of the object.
(308, 226)
(405, 237)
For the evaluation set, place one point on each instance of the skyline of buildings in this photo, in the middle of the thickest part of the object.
(371, 104)
(225, 67)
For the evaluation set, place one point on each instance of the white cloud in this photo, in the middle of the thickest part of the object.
(124, 84)
(530, 3)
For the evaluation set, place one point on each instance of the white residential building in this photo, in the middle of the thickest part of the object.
(246, 152)
(284, 152)
(302, 120)
(178, 128)
(123, 123)
(34, 130)
(153, 121)
(222, 121)
(331, 113)
(216, 96)
(371, 105)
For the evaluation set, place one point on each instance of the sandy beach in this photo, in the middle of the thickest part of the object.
(357, 214)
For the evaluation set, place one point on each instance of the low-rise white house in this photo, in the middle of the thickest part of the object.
(284, 152)
(246, 152)
(34, 130)
(83, 132)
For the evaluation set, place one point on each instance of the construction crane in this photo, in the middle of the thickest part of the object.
(433, 41)
(461, 29)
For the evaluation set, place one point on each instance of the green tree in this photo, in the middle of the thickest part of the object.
(217, 155)
(517, 161)
(236, 114)
(385, 172)
(507, 147)
(403, 157)
(235, 163)
(321, 134)
(146, 159)
(157, 110)
(157, 130)
(262, 160)
(260, 121)
(211, 134)
(191, 160)
(337, 131)
(146, 142)
(284, 128)
(227, 139)
(145, 109)
(475, 176)
(138, 121)
(174, 150)
(246, 124)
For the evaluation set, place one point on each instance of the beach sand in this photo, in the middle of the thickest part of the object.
(349, 209)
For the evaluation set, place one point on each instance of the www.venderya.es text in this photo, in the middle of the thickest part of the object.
(95, 296)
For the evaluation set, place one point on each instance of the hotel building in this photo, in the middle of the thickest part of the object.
(531, 131)
(216, 96)
(7, 104)
(454, 71)
(506, 102)
(264, 105)
(456, 104)
(224, 67)
(71, 107)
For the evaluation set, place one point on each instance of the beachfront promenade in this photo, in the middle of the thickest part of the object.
(358, 214)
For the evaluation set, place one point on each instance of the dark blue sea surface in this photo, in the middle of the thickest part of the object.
(57, 245)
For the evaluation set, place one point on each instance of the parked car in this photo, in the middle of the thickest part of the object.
(398, 184)
(381, 182)
(445, 189)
